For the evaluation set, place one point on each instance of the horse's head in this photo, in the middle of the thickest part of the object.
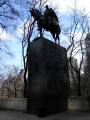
(33, 13)
(36, 14)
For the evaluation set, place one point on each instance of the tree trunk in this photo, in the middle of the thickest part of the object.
(25, 85)
(15, 93)
(79, 86)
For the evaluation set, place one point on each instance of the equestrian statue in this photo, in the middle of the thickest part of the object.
(48, 21)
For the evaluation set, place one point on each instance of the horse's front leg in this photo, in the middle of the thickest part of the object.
(53, 34)
(40, 29)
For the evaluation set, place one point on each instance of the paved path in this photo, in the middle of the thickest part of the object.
(9, 115)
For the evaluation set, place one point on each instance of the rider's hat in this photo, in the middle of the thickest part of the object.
(46, 6)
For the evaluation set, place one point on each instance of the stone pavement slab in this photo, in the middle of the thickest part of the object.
(10, 115)
(70, 116)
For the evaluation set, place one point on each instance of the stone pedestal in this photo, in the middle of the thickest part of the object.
(48, 84)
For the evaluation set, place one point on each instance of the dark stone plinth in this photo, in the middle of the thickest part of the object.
(48, 84)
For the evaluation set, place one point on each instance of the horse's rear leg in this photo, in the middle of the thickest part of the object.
(57, 37)
(40, 30)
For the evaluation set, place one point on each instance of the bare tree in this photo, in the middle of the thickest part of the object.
(29, 26)
(76, 35)
(2, 78)
(8, 21)
(13, 83)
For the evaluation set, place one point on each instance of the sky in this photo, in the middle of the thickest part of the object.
(62, 7)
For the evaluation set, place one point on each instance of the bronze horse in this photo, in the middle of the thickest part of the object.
(46, 23)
